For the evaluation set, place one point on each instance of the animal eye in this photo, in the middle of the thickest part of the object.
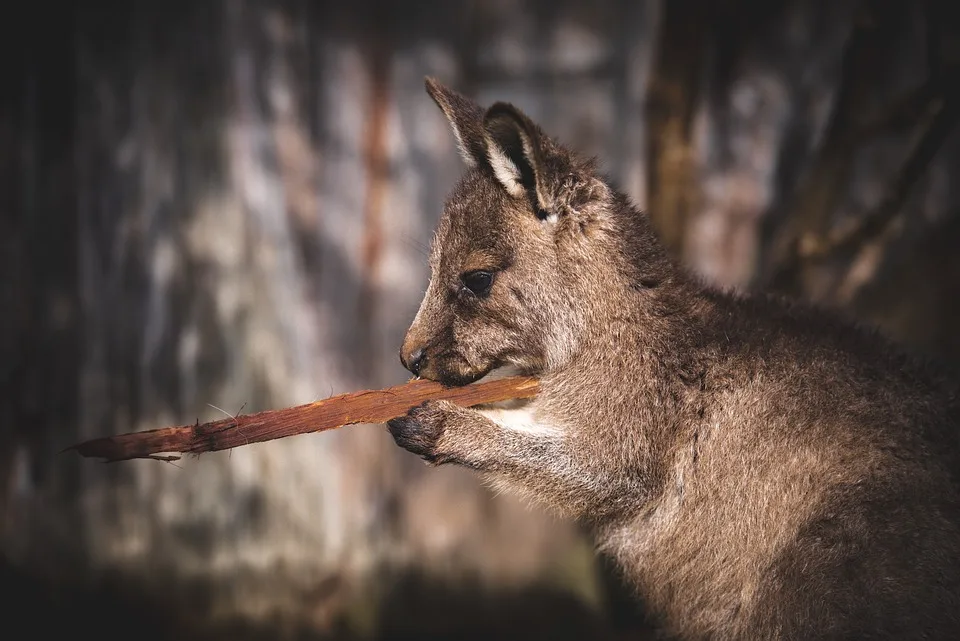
(478, 282)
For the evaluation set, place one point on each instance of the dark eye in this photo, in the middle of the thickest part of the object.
(478, 282)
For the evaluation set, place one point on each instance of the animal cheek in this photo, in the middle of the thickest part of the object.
(462, 341)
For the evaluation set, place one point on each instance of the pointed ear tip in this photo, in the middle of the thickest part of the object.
(500, 110)
(433, 86)
(503, 114)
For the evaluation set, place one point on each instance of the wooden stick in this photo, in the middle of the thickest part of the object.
(369, 406)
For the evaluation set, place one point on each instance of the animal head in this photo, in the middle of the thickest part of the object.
(528, 247)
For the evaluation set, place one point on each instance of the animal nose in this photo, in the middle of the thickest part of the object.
(414, 361)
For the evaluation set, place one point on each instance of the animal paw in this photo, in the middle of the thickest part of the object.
(421, 429)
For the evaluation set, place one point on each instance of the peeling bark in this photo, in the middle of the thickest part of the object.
(369, 406)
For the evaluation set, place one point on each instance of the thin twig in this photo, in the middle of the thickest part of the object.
(368, 406)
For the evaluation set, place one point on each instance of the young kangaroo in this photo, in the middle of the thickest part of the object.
(758, 469)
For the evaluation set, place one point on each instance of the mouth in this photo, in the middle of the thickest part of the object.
(454, 379)
(453, 376)
(496, 370)
(506, 371)
(455, 372)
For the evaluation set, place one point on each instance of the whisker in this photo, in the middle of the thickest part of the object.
(416, 245)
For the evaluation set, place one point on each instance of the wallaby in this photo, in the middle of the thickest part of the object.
(758, 469)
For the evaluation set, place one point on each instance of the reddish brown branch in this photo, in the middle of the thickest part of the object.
(369, 406)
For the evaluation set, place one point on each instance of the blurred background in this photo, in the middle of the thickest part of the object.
(228, 203)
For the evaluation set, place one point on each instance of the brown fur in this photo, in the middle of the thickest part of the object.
(760, 470)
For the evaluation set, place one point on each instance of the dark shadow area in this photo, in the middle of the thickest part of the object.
(413, 607)
(417, 607)
(37, 609)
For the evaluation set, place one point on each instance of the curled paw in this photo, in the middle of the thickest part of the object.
(421, 429)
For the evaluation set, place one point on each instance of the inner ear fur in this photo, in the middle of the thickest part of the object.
(502, 140)
(514, 151)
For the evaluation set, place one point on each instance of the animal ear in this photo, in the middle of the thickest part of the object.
(466, 120)
(516, 152)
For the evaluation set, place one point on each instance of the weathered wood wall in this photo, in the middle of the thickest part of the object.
(228, 204)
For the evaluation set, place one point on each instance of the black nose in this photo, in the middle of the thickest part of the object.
(415, 361)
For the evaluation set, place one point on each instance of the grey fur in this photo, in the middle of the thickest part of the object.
(759, 469)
